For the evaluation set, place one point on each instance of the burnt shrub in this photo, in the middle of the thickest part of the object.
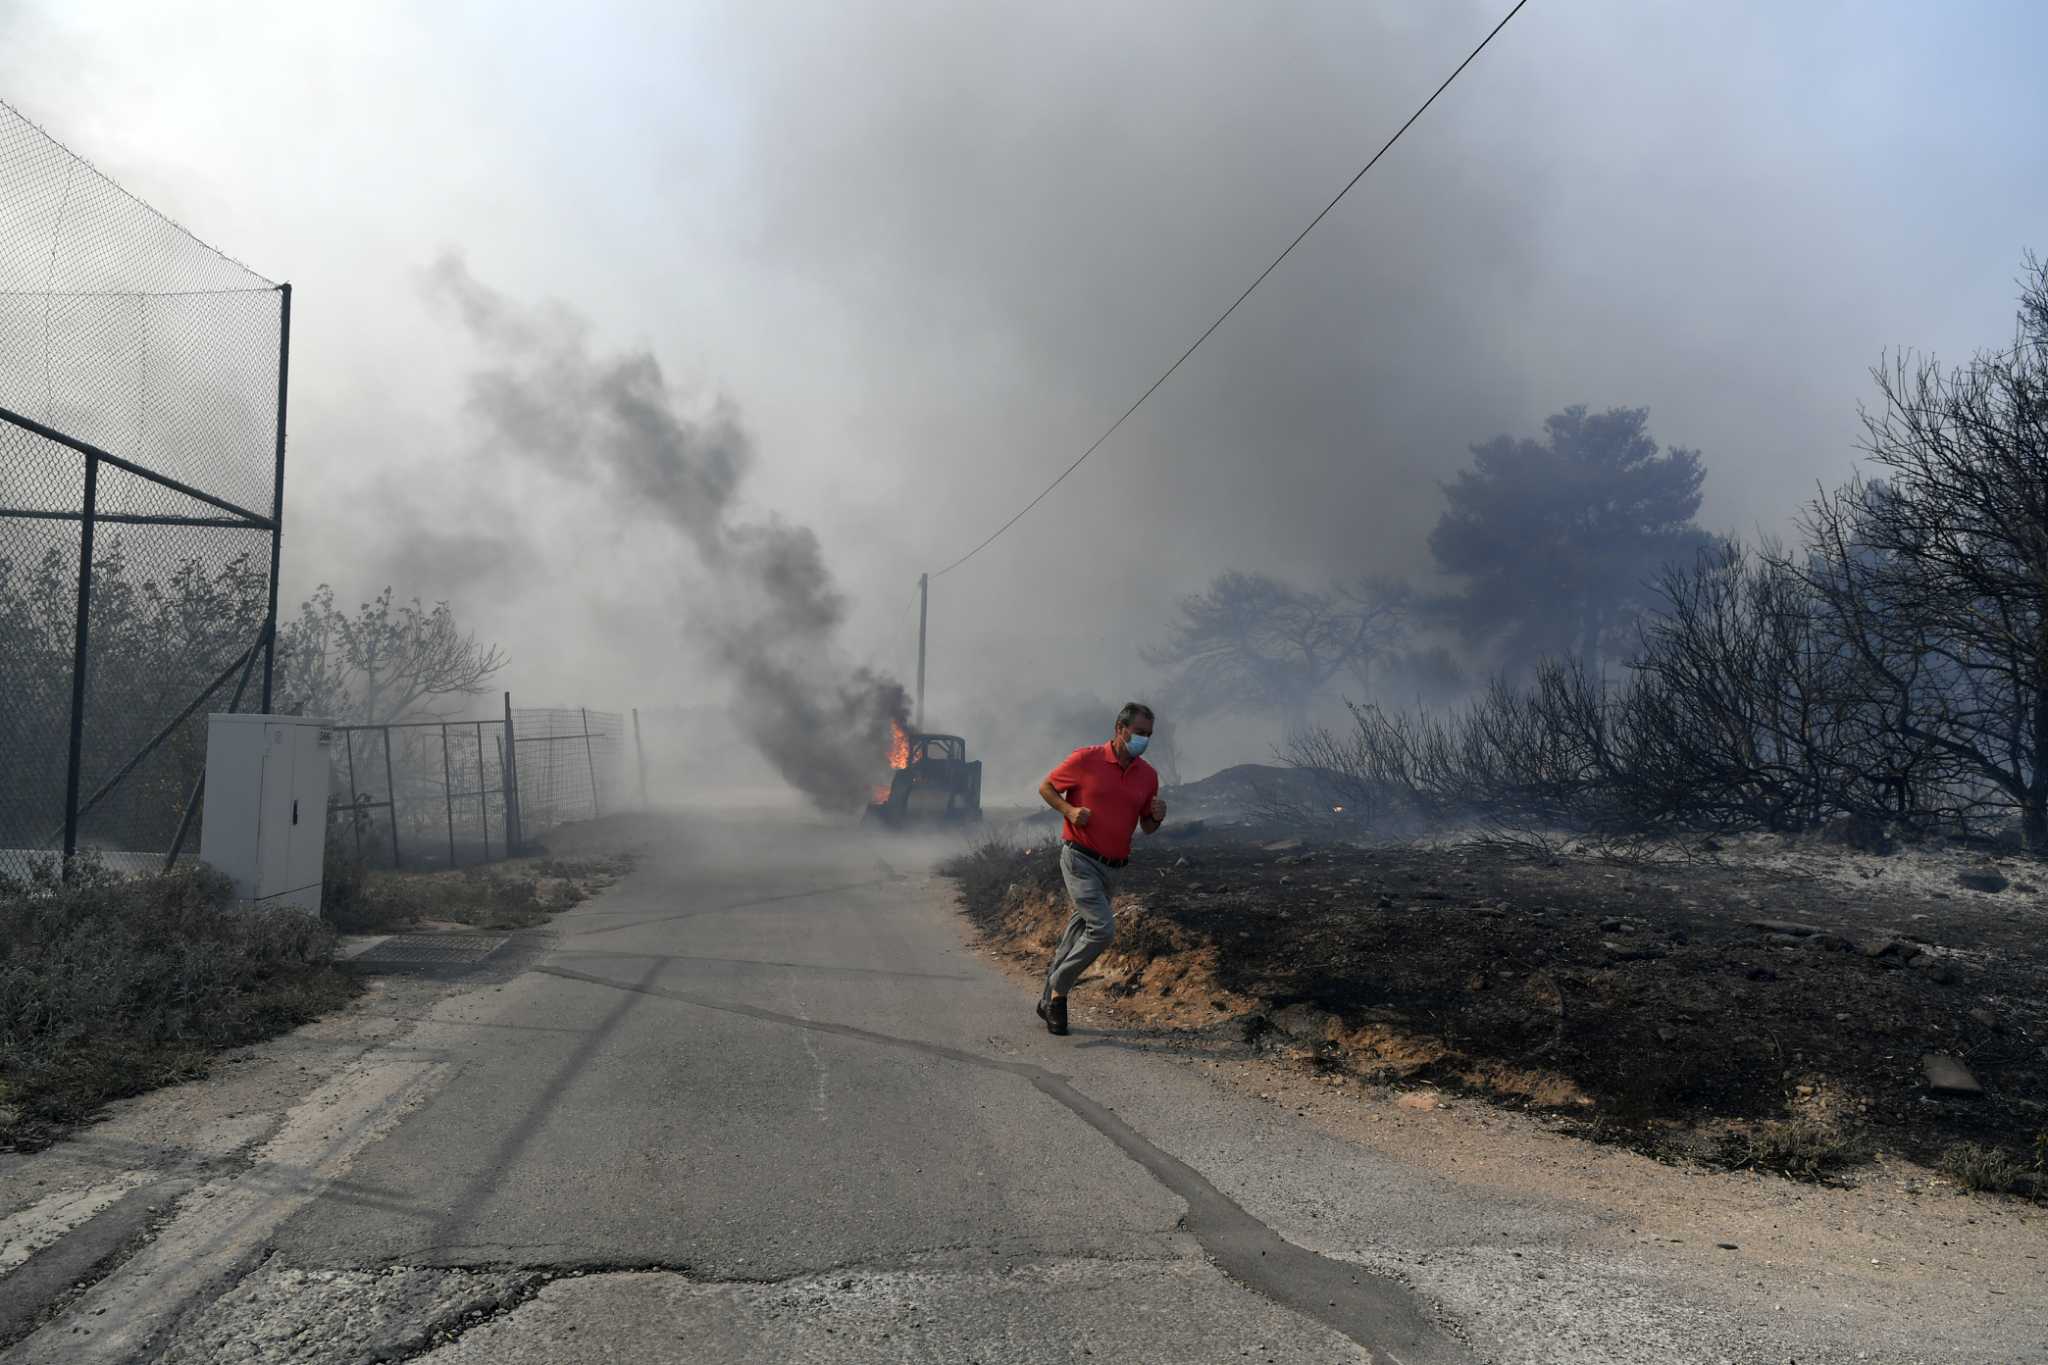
(1989, 1170)
(988, 868)
(1801, 1148)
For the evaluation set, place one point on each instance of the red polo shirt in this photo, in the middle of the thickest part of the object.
(1115, 796)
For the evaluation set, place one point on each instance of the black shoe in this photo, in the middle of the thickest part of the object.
(1054, 1012)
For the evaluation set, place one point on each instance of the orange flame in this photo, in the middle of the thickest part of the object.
(899, 756)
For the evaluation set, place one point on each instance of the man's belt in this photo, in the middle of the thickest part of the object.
(1092, 856)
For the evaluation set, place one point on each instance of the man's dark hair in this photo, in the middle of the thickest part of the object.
(1132, 710)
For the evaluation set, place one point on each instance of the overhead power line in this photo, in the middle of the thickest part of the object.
(1241, 297)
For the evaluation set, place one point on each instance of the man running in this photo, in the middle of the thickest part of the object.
(1102, 791)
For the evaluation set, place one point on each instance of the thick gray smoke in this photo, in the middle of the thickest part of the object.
(772, 614)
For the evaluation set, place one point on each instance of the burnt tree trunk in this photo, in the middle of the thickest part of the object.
(2034, 805)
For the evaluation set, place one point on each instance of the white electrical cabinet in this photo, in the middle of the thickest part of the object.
(264, 819)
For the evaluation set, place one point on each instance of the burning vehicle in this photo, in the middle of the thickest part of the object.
(931, 781)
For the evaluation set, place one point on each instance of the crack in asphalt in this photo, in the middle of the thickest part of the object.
(453, 1327)
(1381, 1315)
(937, 1258)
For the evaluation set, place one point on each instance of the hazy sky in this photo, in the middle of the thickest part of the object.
(927, 252)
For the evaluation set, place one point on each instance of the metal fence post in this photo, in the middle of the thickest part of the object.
(509, 768)
(639, 758)
(391, 796)
(550, 790)
(504, 796)
(448, 794)
(483, 791)
(284, 370)
(589, 762)
(82, 632)
(355, 817)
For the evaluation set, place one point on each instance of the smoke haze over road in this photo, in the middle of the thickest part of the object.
(928, 252)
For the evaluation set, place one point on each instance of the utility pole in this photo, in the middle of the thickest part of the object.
(924, 602)
(640, 758)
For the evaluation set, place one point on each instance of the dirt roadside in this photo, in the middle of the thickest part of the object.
(1889, 1226)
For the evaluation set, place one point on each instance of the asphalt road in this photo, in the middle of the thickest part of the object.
(768, 1059)
(760, 1102)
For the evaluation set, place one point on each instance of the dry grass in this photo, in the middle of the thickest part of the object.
(1802, 1148)
(1990, 1170)
(513, 895)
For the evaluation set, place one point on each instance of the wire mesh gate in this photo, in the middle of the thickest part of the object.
(566, 765)
(427, 794)
(142, 420)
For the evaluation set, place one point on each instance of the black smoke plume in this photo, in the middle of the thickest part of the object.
(773, 615)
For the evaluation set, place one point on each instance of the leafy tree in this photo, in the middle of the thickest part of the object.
(1253, 643)
(155, 642)
(1560, 539)
(387, 662)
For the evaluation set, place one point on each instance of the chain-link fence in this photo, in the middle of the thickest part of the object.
(142, 402)
(428, 794)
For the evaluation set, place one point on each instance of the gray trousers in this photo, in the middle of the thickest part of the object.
(1091, 887)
